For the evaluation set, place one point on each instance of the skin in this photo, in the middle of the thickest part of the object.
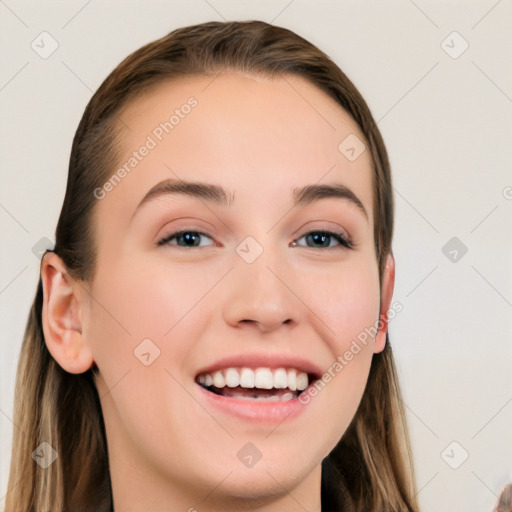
(258, 138)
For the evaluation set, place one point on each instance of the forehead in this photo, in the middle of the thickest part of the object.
(257, 136)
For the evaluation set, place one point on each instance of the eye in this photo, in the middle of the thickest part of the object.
(189, 239)
(324, 238)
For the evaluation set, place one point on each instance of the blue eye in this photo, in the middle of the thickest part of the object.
(324, 238)
(189, 238)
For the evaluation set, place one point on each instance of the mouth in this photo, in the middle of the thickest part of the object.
(260, 384)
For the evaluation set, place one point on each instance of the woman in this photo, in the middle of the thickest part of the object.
(210, 330)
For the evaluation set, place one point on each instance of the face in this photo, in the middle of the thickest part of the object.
(196, 289)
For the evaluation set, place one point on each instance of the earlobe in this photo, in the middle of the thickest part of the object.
(62, 316)
(388, 284)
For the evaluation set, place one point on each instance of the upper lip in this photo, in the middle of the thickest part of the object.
(263, 360)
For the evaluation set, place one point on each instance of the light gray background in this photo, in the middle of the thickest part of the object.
(447, 125)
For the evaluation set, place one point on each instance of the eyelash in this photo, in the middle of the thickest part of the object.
(344, 242)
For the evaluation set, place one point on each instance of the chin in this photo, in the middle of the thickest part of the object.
(256, 487)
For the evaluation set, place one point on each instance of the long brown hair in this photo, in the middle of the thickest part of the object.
(370, 469)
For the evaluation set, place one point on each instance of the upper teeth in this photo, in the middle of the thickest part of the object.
(262, 378)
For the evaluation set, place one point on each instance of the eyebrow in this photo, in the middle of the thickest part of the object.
(218, 195)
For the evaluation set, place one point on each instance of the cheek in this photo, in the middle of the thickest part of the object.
(349, 309)
(347, 301)
(138, 302)
(135, 303)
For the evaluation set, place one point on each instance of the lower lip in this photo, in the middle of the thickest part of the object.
(273, 412)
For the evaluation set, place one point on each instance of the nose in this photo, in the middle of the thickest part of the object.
(261, 296)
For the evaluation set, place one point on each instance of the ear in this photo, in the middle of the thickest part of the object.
(386, 295)
(62, 316)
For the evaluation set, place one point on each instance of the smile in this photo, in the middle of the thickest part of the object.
(257, 389)
(262, 384)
